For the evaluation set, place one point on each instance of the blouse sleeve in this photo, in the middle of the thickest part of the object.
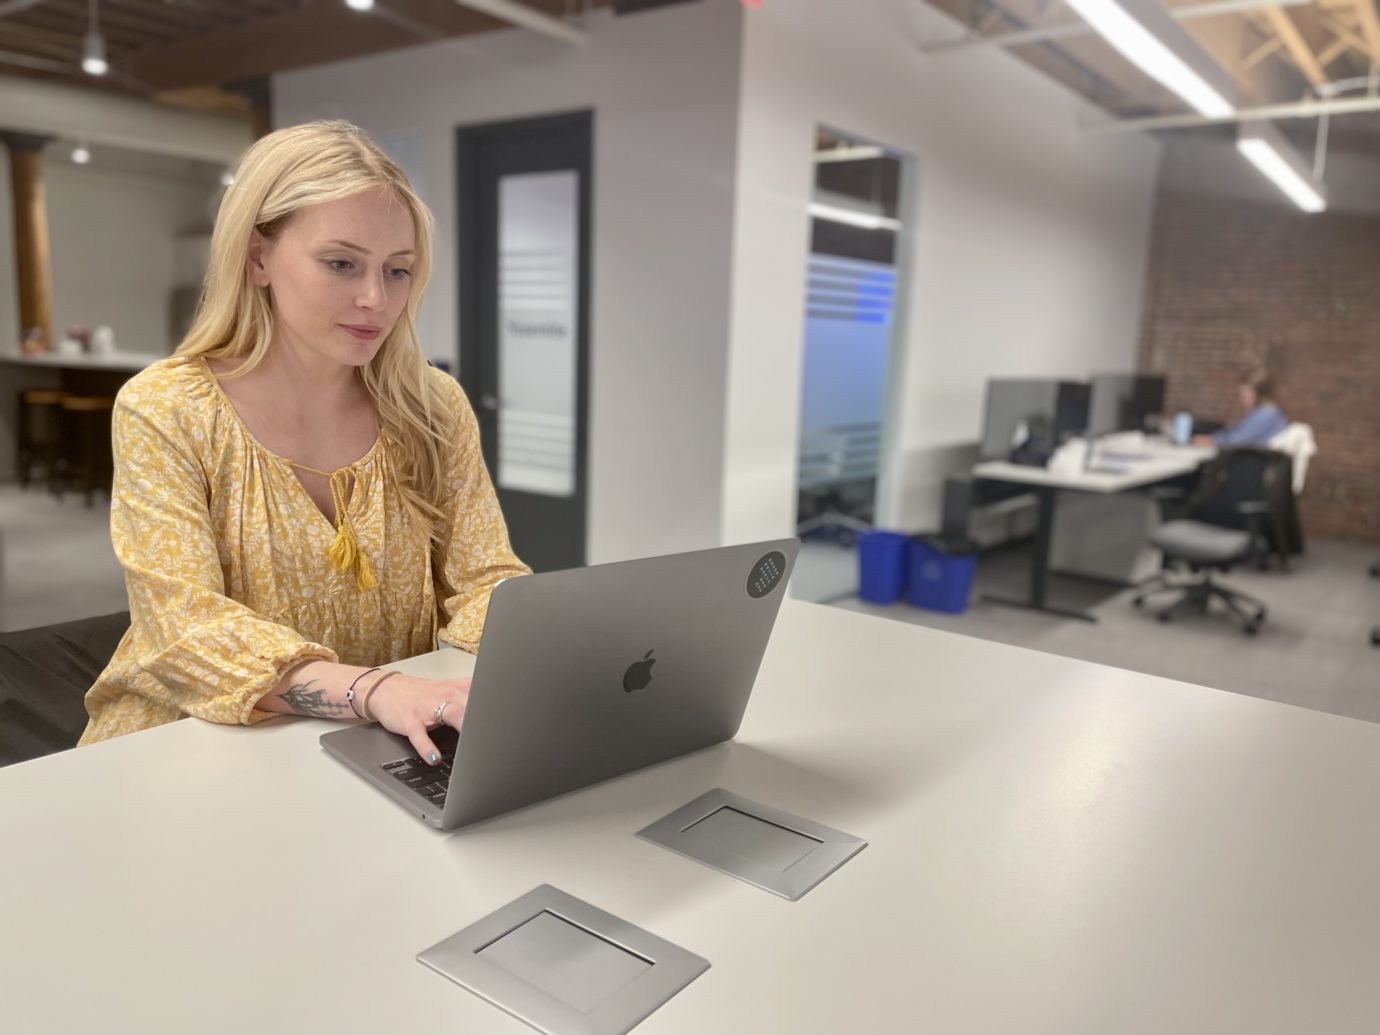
(1260, 425)
(478, 555)
(191, 646)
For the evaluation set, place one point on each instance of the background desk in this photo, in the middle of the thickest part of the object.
(1056, 847)
(1158, 464)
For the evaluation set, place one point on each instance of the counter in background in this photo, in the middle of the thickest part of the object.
(119, 360)
(82, 373)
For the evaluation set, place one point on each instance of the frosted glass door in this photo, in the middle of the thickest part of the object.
(538, 238)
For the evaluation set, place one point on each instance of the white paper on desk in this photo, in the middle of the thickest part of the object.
(1069, 458)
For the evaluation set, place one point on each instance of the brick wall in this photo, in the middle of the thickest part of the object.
(1236, 281)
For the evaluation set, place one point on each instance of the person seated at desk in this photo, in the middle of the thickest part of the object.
(1263, 420)
(298, 496)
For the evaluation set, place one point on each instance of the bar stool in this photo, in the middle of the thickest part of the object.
(87, 463)
(40, 434)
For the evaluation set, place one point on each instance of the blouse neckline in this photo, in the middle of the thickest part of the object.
(226, 402)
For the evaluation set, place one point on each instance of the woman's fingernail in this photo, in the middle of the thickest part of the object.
(432, 756)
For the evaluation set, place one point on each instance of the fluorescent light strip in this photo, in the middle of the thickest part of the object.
(853, 218)
(1150, 54)
(1270, 162)
(859, 153)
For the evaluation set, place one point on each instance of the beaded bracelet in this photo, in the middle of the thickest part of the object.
(350, 693)
(364, 701)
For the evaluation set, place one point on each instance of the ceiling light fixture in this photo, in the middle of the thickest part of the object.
(93, 46)
(81, 154)
(853, 217)
(360, 5)
(1148, 37)
(1270, 151)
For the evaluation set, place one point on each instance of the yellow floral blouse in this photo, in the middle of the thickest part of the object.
(227, 567)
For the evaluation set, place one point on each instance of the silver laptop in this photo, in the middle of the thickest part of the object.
(586, 674)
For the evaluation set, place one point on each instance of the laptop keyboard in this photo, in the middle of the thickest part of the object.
(430, 781)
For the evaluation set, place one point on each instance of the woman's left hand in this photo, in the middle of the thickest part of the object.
(411, 706)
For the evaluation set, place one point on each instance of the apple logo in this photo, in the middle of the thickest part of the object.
(639, 673)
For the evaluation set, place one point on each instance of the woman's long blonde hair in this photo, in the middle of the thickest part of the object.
(287, 170)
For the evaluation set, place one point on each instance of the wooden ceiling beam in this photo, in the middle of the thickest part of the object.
(198, 16)
(313, 33)
(1346, 35)
(1296, 45)
(185, 19)
(1333, 51)
(1260, 53)
(56, 23)
(1370, 26)
(25, 37)
(122, 19)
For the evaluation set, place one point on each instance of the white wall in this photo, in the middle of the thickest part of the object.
(111, 245)
(113, 237)
(664, 89)
(1027, 250)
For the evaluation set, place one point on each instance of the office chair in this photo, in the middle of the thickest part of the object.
(1375, 632)
(1228, 520)
(833, 515)
(44, 675)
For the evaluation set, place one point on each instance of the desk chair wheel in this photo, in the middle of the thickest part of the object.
(1251, 628)
(1165, 617)
(1375, 636)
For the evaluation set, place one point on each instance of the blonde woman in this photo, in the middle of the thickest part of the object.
(298, 496)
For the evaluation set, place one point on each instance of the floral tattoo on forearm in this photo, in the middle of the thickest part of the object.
(303, 700)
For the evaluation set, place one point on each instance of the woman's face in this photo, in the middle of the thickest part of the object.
(1248, 397)
(339, 274)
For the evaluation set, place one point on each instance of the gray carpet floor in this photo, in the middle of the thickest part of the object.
(1313, 651)
(56, 561)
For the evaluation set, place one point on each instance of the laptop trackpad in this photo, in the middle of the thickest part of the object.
(565, 961)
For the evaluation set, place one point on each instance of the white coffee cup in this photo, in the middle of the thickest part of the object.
(103, 339)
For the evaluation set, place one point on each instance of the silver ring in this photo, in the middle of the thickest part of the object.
(440, 709)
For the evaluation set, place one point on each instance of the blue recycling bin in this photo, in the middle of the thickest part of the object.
(941, 573)
(882, 566)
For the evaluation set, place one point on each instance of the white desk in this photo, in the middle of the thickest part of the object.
(1056, 847)
(1156, 463)
(1159, 466)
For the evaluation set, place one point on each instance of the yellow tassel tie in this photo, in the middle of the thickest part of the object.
(345, 553)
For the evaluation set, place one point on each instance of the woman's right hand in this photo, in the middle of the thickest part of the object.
(407, 705)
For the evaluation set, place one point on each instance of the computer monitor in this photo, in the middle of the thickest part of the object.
(1072, 409)
(1031, 417)
(1122, 402)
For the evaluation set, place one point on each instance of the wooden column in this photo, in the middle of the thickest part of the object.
(31, 251)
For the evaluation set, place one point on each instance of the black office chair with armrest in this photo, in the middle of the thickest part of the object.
(44, 675)
(1230, 518)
